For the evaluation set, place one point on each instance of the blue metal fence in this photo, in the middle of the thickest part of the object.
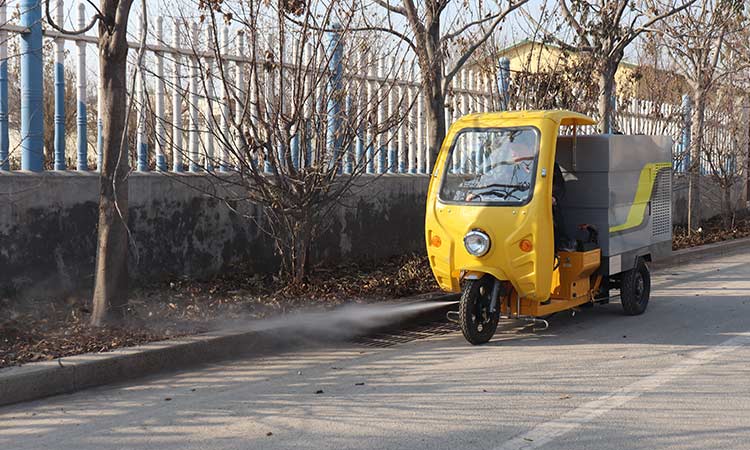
(401, 150)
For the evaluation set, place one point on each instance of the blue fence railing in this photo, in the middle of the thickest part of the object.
(401, 150)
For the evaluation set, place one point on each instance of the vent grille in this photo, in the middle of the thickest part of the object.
(661, 205)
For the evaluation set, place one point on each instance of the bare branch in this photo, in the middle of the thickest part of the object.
(634, 33)
(59, 27)
(479, 42)
(580, 31)
(392, 8)
(447, 37)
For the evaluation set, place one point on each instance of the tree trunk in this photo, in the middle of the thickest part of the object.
(697, 121)
(606, 92)
(432, 66)
(436, 126)
(300, 239)
(111, 276)
(728, 209)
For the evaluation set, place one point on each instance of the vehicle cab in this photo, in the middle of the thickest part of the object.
(489, 225)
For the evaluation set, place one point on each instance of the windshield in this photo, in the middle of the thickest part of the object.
(491, 166)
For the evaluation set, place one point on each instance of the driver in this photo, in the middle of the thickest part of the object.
(562, 241)
(523, 159)
(513, 163)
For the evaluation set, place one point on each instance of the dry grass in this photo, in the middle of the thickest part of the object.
(51, 327)
(711, 231)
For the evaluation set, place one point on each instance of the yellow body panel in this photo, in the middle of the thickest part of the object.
(575, 273)
(530, 273)
(642, 196)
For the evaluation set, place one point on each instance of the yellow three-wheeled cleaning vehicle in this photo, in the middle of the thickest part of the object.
(526, 221)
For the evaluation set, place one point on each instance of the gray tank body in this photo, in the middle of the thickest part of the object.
(623, 186)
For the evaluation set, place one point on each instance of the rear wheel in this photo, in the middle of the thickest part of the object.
(635, 289)
(477, 323)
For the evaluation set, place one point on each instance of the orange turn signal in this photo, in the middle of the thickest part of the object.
(435, 241)
(525, 245)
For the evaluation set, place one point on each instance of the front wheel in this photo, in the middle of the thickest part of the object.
(635, 289)
(477, 323)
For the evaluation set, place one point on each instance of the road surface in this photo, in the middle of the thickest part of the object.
(677, 377)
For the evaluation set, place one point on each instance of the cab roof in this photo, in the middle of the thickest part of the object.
(561, 116)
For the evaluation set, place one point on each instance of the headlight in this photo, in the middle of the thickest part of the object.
(477, 242)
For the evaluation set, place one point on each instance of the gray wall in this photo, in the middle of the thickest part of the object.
(711, 198)
(48, 228)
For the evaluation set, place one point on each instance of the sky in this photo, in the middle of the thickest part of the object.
(516, 27)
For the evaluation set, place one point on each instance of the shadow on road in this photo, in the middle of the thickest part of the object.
(234, 404)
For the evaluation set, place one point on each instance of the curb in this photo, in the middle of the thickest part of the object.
(69, 374)
(687, 255)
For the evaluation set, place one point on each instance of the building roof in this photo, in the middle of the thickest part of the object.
(506, 50)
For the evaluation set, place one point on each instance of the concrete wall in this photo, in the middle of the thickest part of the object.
(48, 228)
(711, 198)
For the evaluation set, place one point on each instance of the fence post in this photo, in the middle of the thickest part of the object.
(262, 89)
(225, 132)
(294, 144)
(347, 157)
(140, 95)
(359, 114)
(176, 101)
(452, 116)
(210, 94)
(411, 151)
(319, 105)
(462, 108)
(81, 97)
(59, 92)
(486, 92)
(471, 154)
(613, 117)
(503, 83)
(478, 106)
(309, 107)
(394, 111)
(4, 138)
(426, 132)
(383, 102)
(400, 147)
(32, 106)
(141, 139)
(278, 105)
(421, 153)
(687, 106)
(193, 103)
(335, 51)
(161, 163)
(370, 99)
(99, 130)
(240, 81)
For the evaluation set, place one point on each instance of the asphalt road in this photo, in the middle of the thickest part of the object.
(675, 378)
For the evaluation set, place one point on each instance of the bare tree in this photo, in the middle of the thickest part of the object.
(696, 39)
(69, 101)
(725, 144)
(603, 29)
(563, 81)
(111, 275)
(443, 42)
(303, 119)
